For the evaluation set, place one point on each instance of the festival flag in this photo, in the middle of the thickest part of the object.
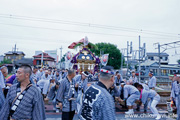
(75, 44)
(104, 59)
(68, 56)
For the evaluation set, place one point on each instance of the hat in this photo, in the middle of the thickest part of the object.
(2, 67)
(107, 70)
(151, 72)
(123, 83)
(85, 73)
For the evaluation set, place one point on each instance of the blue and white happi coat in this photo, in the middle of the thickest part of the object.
(65, 92)
(174, 89)
(132, 92)
(134, 79)
(2, 99)
(152, 94)
(97, 104)
(31, 106)
(152, 82)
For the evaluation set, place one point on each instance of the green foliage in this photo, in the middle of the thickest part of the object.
(111, 49)
(178, 61)
(92, 46)
(79, 44)
(63, 58)
(6, 61)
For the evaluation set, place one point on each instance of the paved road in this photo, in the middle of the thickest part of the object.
(120, 115)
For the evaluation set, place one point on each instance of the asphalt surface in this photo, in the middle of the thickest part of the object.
(120, 114)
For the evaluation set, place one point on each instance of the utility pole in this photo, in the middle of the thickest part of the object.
(60, 56)
(139, 58)
(159, 60)
(122, 58)
(42, 59)
(127, 56)
(14, 57)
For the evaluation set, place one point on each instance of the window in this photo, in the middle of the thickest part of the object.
(154, 71)
(151, 58)
(166, 58)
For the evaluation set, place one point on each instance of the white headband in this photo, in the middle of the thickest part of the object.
(85, 74)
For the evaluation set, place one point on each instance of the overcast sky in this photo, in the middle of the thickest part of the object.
(49, 24)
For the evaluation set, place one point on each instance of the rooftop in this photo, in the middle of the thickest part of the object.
(45, 55)
(12, 52)
(156, 54)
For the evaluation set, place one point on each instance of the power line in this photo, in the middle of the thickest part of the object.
(35, 40)
(65, 30)
(75, 31)
(88, 25)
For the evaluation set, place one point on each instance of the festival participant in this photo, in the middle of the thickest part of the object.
(58, 76)
(10, 80)
(64, 73)
(81, 84)
(98, 104)
(40, 72)
(33, 76)
(4, 71)
(113, 90)
(66, 96)
(95, 77)
(134, 94)
(133, 77)
(24, 101)
(174, 90)
(145, 87)
(121, 94)
(52, 95)
(2, 99)
(177, 78)
(118, 79)
(152, 81)
(3, 74)
(154, 100)
(46, 75)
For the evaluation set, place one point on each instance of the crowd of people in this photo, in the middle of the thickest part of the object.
(91, 97)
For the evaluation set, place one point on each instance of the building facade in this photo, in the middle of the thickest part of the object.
(47, 60)
(14, 56)
(164, 60)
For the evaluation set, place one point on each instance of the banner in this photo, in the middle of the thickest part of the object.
(68, 56)
(104, 59)
(68, 59)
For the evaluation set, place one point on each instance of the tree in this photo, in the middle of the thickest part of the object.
(178, 61)
(111, 49)
(6, 61)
